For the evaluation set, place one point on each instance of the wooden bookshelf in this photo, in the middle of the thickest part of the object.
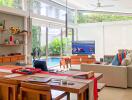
(11, 45)
(2, 30)
(19, 34)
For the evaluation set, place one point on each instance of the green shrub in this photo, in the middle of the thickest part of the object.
(56, 45)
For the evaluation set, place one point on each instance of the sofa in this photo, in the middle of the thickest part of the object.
(129, 76)
(115, 76)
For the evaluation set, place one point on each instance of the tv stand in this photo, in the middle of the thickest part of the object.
(79, 59)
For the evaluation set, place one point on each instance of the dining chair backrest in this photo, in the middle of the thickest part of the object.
(32, 91)
(8, 89)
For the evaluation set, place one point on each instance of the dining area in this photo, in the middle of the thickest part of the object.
(44, 85)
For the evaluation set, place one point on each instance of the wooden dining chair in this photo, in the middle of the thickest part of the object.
(62, 63)
(33, 91)
(8, 89)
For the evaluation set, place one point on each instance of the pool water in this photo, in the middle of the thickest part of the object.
(53, 62)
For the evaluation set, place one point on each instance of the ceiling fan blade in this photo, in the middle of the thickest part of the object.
(99, 4)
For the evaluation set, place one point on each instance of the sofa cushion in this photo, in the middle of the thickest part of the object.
(128, 60)
(129, 51)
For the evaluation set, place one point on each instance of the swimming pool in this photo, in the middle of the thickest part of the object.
(53, 62)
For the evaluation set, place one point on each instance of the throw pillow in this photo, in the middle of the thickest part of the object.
(129, 51)
(119, 57)
(129, 55)
(115, 60)
(126, 61)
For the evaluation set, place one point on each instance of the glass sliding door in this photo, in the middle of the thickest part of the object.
(39, 37)
(52, 42)
(36, 32)
(49, 40)
(43, 42)
(67, 41)
(54, 46)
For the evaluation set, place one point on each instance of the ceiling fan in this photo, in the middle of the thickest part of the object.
(99, 4)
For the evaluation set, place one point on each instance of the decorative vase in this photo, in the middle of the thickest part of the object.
(11, 39)
(16, 42)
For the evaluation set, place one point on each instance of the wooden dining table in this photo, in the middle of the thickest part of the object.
(78, 86)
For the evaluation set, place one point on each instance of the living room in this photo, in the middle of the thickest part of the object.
(56, 41)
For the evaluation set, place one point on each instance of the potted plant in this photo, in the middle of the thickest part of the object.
(6, 41)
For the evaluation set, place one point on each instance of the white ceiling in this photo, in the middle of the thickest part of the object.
(118, 5)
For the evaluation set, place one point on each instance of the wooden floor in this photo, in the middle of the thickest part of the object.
(115, 94)
(109, 93)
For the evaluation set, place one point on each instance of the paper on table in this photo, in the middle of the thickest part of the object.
(38, 79)
(40, 75)
(59, 77)
(12, 75)
(5, 70)
(51, 76)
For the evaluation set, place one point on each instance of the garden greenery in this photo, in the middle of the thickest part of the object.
(56, 45)
(8, 3)
(96, 17)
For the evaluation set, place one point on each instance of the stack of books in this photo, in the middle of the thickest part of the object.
(84, 75)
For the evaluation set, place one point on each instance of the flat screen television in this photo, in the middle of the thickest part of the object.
(83, 47)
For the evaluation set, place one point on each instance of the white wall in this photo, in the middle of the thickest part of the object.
(117, 36)
(92, 32)
(108, 36)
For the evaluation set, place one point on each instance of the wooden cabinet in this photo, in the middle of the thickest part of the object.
(6, 59)
(76, 59)
(0, 59)
(15, 58)
(20, 57)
